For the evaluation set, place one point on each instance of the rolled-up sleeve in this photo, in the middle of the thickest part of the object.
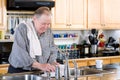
(19, 57)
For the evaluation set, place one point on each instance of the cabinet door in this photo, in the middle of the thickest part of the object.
(60, 15)
(80, 63)
(78, 14)
(4, 68)
(82, 78)
(112, 14)
(109, 77)
(94, 14)
(2, 14)
(94, 78)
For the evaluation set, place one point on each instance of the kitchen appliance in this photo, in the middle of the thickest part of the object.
(30, 5)
(112, 48)
(5, 49)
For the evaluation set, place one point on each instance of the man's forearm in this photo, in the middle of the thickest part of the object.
(44, 67)
(36, 65)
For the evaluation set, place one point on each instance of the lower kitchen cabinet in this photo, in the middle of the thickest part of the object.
(109, 77)
(80, 63)
(82, 78)
(4, 68)
(115, 60)
(93, 78)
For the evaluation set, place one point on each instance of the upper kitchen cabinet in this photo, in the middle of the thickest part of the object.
(77, 14)
(69, 15)
(95, 14)
(111, 14)
(60, 15)
(2, 14)
(104, 14)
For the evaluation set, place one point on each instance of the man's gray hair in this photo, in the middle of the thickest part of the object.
(42, 10)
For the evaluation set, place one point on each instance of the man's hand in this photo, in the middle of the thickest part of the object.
(55, 63)
(44, 67)
(47, 67)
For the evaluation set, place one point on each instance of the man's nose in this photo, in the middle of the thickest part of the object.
(46, 26)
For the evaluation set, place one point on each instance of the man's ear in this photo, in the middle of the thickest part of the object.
(34, 18)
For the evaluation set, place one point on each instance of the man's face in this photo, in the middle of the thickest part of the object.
(42, 23)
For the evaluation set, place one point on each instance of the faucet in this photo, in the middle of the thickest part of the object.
(66, 68)
(57, 73)
(75, 69)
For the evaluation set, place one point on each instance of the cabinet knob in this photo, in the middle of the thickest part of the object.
(66, 24)
(102, 24)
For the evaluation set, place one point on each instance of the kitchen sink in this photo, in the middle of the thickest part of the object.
(86, 71)
(30, 77)
(24, 77)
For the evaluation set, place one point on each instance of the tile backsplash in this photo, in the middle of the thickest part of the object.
(83, 35)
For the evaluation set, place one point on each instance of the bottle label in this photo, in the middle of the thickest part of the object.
(86, 50)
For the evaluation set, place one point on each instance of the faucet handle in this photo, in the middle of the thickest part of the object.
(57, 73)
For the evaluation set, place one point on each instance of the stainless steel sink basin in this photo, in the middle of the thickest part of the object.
(24, 77)
(86, 72)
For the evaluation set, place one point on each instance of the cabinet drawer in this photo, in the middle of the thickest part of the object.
(80, 63)
(93, 78)
(109, 77)
(115, 60)
(3, 70)
(106, 61)
(82, 78)
(92, 62)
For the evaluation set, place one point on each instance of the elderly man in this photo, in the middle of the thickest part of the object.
(33, 47)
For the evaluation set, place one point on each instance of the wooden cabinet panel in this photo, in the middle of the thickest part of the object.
(94, 14)
(112, 14)
(93, 78)
(106, 61)
(109, 77)
(69, 14)
(115, 60)
(2, 14)
(92, 62)
(74, 14)
(78, 14)
(59, 15)
(71, 65)
(4, 68)
(82, 78)
(104, 14)
(80, 63)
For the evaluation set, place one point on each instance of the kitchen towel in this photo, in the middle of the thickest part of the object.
(35, 46)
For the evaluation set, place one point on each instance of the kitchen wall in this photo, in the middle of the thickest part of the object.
(83, 35)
